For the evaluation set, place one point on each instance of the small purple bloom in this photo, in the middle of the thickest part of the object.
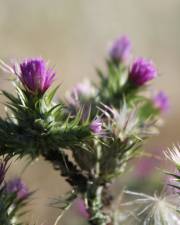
(17, 186)
(142, 71)
(34, 75)
(161, 101)
(81, 208)
(121, 49)
(96, 126)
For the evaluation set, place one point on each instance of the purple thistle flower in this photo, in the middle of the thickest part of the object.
(161, 101)
(96, 126)
(34, 75)
(17, 186)
(121, 49)
(142, 71)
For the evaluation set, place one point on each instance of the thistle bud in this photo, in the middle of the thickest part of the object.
(142, 71)
(121, 49)
(35, 76)
(161, 101)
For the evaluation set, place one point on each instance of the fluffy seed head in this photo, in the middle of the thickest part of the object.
(174, 155)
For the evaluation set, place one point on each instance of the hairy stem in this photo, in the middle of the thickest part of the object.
(94, 196)
(95, 206)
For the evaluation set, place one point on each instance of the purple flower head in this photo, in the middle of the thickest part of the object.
(18, 187)
(96, 126)
(121, 49)
(161, 101)
(142, 71)
(35, 76)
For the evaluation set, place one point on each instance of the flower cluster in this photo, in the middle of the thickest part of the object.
(103, 126)
(141, 71)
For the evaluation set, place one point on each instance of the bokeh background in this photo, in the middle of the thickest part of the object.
(74, 36)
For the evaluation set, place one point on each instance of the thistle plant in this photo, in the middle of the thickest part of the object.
(13, 197)
(102, 126)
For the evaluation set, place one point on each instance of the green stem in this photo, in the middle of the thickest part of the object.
(94, 196)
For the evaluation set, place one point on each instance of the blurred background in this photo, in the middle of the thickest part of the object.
(74, 36)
